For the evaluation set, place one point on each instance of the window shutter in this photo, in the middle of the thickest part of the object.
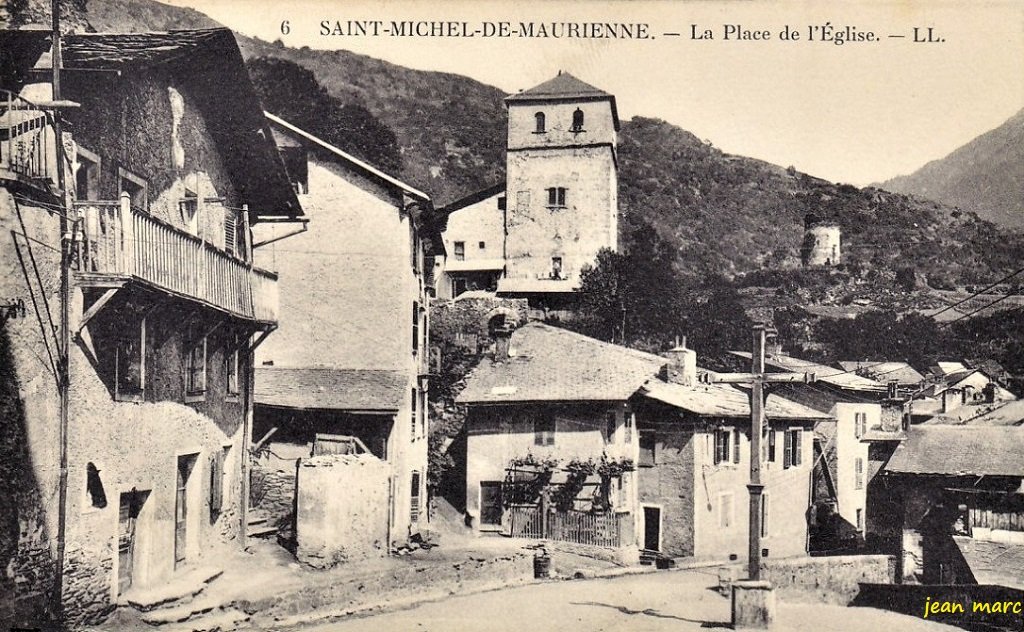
(216, 482)
(230, 230)
(787, 449)
(771, 446)
(736, 446)
(798, 437)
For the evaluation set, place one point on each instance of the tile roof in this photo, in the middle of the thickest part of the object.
(722, 400)
(885, 371)
(1007, 414)
(367, 390)
(960, 450)
(822, 373)
(553, 364)
(993, 563)
(562, 86)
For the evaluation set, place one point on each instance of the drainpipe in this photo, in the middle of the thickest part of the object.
(63, 367)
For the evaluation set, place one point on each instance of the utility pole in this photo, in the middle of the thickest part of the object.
(758, 381)
(64, 348)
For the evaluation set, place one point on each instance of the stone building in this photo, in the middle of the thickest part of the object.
(165, 175)
(532, 236)
(694, 443)
(352, 354)
(822, 243)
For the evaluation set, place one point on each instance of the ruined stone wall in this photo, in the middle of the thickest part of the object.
(272, 491)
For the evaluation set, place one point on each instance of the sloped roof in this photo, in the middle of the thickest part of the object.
(885, 371)
(211, 64)
(722, 400)
(822, 373)
(550, 364)
(1007, 414)
(994, 563)
(960, 450)
(561, 86)
(565, 87)
(353, 390)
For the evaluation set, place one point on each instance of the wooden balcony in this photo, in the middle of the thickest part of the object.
(27, 143)
(121, 244)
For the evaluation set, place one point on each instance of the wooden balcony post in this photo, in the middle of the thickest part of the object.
(126, 253)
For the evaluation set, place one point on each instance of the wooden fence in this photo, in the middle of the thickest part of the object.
(27, 146)
(577, 527)
(119, 240)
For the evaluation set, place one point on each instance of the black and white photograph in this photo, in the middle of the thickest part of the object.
(511, 315)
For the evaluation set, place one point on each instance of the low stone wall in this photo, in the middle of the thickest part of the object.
(624, 556)
(398, 583)
(272, 490)
(834, 579)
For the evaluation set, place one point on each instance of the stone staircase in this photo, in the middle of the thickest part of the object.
(259, 526)
(183, 604)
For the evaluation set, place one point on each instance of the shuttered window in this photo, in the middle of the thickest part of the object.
(414, 499)
(736, 446)
(859, 473)
(231, 231)
(217, 482)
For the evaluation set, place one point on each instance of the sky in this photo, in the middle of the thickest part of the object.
(857, 113)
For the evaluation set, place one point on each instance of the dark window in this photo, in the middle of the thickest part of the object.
(648, 449)
(502, 203)
(458, 286)
(722, 445)
(860, 421)
(129, 362)
(188, 207)
(195, 362)
(415, 326)
(414, 247)
(217, 460)
(771, 446)
(544, 430)
(577, 121)
(413, 416)
(460, 251)
(610, 424)
(539, 119)
(483, 245)
(136, 188)
(791, 450)
(556, 197)
(556, 267)
(231, 370)
(414, 496)
(94, 486)
(736, 446)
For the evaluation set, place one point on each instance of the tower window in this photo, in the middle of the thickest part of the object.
(556, 197)
(460, 251)
(539, 118)
(577, 121)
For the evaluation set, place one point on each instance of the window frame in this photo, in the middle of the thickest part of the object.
(415, 327)
(413, 411)
(119, 346)
(195, 391)
(721, 451)
(652, 460)
(858, 473)
(540, 123)
(139, 182)
(557, 268)
(458, 251)
(93, 165)
(232, 370)
(557, 197)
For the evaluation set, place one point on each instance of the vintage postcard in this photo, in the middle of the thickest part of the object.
(612, 315)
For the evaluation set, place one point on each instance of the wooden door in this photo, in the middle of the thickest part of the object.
(181, 509)
(490, 502)
(652, 528)
(128, 515)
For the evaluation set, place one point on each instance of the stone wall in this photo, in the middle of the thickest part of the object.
(668, 483)
(834, 579)
(341, 509)
(272, 491)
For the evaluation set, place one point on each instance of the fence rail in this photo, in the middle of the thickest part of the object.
(577, 527)
(123, 241)
(27, 146)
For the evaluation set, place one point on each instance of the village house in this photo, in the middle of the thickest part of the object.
(351, 357)
(956, 495)
(531, 236)
(694, 464)
(867, 422)
(550, 400)
(168, 162)
(544, 406)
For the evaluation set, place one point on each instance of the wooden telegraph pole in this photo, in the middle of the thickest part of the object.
(758, 381)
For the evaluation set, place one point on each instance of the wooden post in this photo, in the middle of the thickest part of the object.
(127, 251)
(544, 513)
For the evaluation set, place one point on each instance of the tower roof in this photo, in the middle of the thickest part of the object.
(564, 87)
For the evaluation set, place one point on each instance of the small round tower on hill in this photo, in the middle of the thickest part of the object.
(821, 245)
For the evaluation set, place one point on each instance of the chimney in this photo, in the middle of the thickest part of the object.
(894, 389)
(682, 366)
(502, 340)
(990, 393)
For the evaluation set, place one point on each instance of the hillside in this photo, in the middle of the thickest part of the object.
(725, 214)
(986, 176)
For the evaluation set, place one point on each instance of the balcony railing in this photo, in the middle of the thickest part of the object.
(121, 241)
(27, 148)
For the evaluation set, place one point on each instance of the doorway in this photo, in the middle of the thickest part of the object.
(652, 528)
(490, 503)
(127, 527)
(185, 465)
